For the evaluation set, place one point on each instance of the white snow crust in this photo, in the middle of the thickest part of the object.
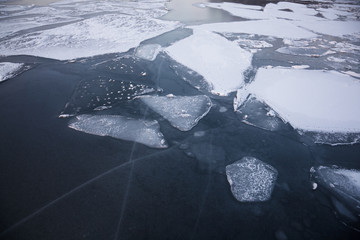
(141, 131)
(219, 61)
(310, 100)
(8, 70)
(183, 112)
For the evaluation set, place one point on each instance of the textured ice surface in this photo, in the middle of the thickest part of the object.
(94, 36)
(344, 183)
(258, 114)
(9, 70)
(274, 27)
(251, 180)
(304, 51)
(102, 93)
(183, 112)
(310, 100)
(148, 52)
(141, 131)
(219, 61)
(333, 28)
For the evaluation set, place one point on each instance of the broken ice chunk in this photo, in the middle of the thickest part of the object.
(343, 183)
(256, 113)
(102, 93)
(141, 131)
(148, 52)
(221, 62)
(310, 100)
(251, 180)
(183, 112)
(305, 51)
(9, 70)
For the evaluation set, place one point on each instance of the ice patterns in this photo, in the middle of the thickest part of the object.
(9, 70)
(141, 131)
(148, 51)
(251, 180)
(183, 112)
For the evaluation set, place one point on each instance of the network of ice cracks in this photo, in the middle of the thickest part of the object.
(326, 36)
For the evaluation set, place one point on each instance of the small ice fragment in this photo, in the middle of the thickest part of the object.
(300, 66)
(9, 70)
(148, 52)
(141, 131)
(199, 134)
(222, 109)
(251, 180)
(314, 186)
(183, 112)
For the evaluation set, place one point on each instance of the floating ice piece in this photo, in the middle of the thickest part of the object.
(304, 51)
(251, 180)
(148, 52)
(310, 100)
(141, 131)
(275, 28)
(333, 28)
(94, 36)
(183, 112)
(102, 93)
(219, 61)
(344, 183)
(255, 113)
(9, 70)
(240, 10)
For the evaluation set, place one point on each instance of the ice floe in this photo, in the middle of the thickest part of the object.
(9, 70)
(274, 27)
(183, 112)
(102, 93)
(148, 51)
(141, 131)
(333, 28)
(94, 36)
(343, 183)
(310, 100)
(251, 180)
(220, 61)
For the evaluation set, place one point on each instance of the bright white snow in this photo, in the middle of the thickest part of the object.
(310, 100)
(183, 112)
(8, 70)
(251, 180)
(220, 61)
(141, 131)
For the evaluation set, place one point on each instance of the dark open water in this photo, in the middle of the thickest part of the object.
(57, 183)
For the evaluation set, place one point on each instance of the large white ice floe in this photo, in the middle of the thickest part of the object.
(141, 131)
(251, 180)
(310, 100)
(274, 27)
(9, 70)
(183, 112)
(220, 61)
(343, 183)
(333, 28)
(98, 35)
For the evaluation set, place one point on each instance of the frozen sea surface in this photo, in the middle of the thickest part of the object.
(141, 131)
(9, 70)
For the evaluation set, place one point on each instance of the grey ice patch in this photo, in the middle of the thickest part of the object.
(183, 112)
(251, 180)
(9, 70)
(141, 131)
(148, 52)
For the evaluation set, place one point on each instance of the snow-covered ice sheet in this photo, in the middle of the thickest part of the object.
(219, 61)
(98, 35)
(251, 180)
(183, 112)
(333, 28)
(9, 70)
(141, 131)
(148, 51)
(274, 27)
(310, 100)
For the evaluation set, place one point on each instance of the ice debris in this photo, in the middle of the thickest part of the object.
(310, 100)
(9, 70)
(141, 131)
(148, 51)
(183, 112)
(251, 180)
(221, 62)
